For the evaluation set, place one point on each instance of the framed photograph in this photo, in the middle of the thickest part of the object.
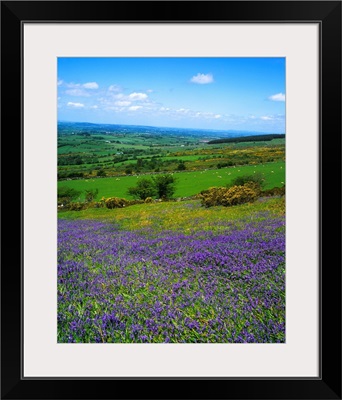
(171, 199)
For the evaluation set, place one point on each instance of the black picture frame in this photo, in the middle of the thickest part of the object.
(328, 384)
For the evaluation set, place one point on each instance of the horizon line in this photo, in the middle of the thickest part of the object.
(169, 127)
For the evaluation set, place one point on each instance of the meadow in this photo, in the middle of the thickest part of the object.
(189, 183)
(173, 273)
(174, 270)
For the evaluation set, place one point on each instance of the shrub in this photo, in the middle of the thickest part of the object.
(66, 194)
(145, 188)
(225, 164)
(162, 186)
(165, 185)
(96, 204)
(232, 196)
(90, 194)
(101, 172)
(276, 191)
(213, 196)
(181, 167)
(77, 206)
(241, 194)
(256, 178)
(115, 202)
(75, 175)
(148, 200)
(133, 202)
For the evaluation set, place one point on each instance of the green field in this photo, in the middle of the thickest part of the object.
(186, 268)
(112, 154)
(188, 183)
(111, 143)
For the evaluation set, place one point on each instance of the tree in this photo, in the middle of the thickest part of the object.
(101, 172)
(145, 188)
(65, 194)
(181, 166)
(164, 185)
(128, 170)
(140, 164)
(90, 194)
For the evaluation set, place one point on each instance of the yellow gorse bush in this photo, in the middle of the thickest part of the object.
(115, 202)
(77, 206)
(216, 196)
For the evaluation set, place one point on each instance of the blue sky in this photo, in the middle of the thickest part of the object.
(208, 93)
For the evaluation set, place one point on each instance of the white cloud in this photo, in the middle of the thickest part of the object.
(137, 96)
(206, 115)
(77, 92)
(90, 85)
(94, 107)
(183, 110)
(149, 90)
(277, 97)
(202, 78)
(186, 112)
(60, 82)
(122, 103)
(114, 88)
(75, 105)
(134, 108)
(72, 85)
(76, 89)
(266, 118)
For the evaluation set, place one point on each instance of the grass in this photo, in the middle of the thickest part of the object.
(189, 183)
(173, 271)
(183, 158)
(273, 142)
(100, 145)
(177, 215)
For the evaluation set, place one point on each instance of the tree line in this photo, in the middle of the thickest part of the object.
(254, 138)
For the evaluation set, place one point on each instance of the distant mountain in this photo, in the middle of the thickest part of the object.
(69, 128)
